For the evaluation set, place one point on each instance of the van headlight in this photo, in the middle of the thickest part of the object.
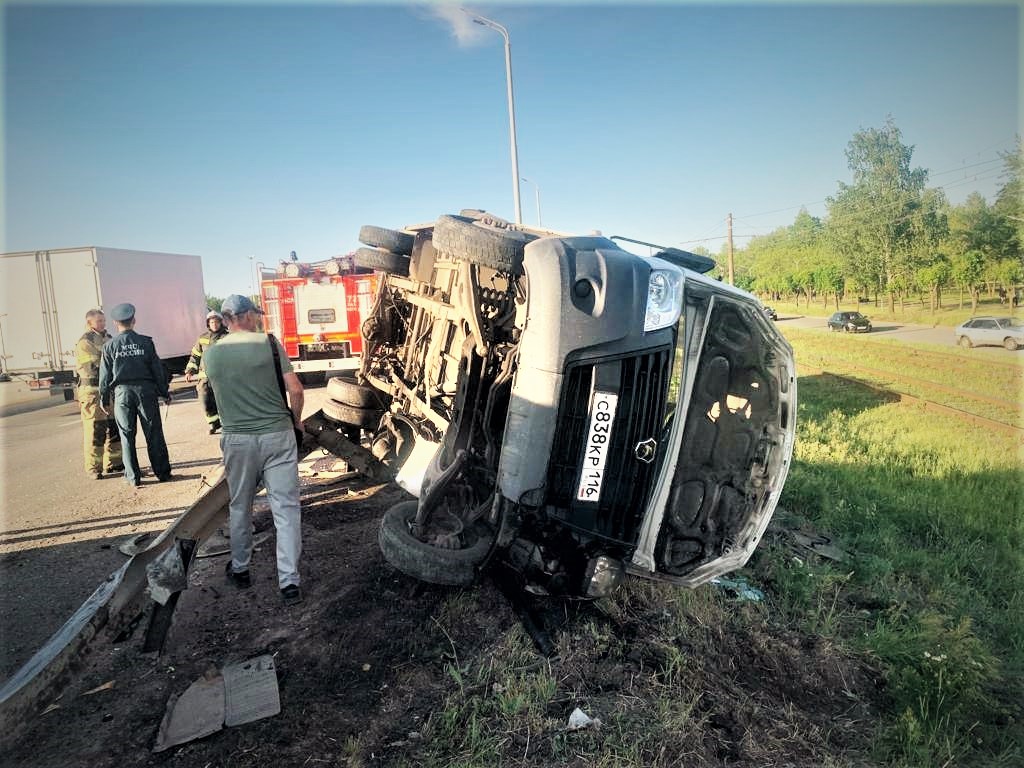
(664, 299)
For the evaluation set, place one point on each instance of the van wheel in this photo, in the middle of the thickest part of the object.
(350, 414)
(965, 342)
(388, 239)
(345, 389)
(426, 562)
(382, 261)
(487, 241)
(1010, 343)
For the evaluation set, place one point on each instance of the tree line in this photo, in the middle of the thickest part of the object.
(887, 235)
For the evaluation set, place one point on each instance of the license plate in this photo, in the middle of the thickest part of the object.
(602, 414)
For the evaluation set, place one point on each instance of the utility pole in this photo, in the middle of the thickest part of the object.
(731, 282)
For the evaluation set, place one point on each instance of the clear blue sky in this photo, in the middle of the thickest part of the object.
(232, 130)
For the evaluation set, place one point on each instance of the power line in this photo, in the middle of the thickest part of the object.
(930, 175)
(882, 207)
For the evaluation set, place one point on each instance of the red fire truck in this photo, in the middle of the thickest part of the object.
(316, 310)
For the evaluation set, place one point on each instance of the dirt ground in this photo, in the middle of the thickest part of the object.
(362, 666)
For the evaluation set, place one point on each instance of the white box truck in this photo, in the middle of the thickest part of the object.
(45, 295)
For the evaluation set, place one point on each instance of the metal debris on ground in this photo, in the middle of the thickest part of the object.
(821, 545)
(238, 694)
(198, 712)
(166, 575)
(250, 691)
(137, 543)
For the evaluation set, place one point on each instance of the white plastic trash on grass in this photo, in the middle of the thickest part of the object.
(580, 720)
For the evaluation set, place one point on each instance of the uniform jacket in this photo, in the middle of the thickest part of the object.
(130, 358)
(87, 357)
(204, 341)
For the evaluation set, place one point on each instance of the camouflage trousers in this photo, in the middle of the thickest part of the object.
(102, 442)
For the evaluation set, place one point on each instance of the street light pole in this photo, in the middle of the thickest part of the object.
(252, 281)
(511, 106)
(4, 376)
(536, 190)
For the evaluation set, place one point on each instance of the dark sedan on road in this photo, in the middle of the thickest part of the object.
(850, 322)
(1007, 331)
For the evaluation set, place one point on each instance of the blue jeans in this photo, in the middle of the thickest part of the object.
(137, 403)
(272, 458)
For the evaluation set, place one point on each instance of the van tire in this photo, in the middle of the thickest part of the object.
(343, 413)
(382, 261)
(388, 239)
(422, 561)
(344, 389)
(481, 243)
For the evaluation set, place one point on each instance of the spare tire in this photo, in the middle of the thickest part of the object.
(342, 413)
(388, 239)
(381, 260)
(481, 242)
(345, 389)
(434, 565)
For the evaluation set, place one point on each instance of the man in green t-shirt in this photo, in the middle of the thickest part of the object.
(257, 439)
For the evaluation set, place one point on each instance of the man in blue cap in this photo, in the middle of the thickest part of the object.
(131, 368)
(258, 423)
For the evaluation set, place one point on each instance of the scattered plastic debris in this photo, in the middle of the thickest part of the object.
(580, 720)
(739, 588)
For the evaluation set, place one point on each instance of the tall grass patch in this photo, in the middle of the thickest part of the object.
(930, 511)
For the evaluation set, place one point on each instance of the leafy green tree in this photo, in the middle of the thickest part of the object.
(1009, 205)
(933, 278)
(872, 220)
(214, 302)
(967, 271)
(829, 281)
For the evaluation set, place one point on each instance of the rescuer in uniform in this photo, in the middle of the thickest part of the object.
(215, 331)
(102, 441)
(131, 368)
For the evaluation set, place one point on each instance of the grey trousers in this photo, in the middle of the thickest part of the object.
(272, 458)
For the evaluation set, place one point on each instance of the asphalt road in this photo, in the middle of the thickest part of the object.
(60, 528)
(927, 334)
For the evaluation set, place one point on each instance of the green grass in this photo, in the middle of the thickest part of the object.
(919, 370)
(931, 510)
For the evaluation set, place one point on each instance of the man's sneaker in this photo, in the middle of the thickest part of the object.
(239, 578)
(165, 478)
(214, 426)
(291, 594)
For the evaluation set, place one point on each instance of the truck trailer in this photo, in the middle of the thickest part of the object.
(46, 294)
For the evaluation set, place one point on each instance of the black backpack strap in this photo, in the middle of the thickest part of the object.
(277, 367)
